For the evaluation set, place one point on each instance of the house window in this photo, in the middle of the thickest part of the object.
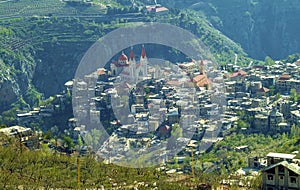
(280, 169)
(270, 177)
(270, 188)
(293, 180)
(291, 173)
(281, 177)
(271, 171)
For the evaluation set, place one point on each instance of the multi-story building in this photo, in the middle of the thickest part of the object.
(281, 173)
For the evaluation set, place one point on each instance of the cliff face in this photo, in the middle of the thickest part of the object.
(58, 63)
(262, 27)
(15, 72)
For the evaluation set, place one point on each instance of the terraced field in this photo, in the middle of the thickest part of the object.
(26, 8)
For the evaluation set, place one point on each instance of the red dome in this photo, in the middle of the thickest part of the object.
(123, 57)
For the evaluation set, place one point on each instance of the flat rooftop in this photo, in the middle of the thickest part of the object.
(281, 155)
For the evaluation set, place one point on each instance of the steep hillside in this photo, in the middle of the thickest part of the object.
(44, 52)
(262, 27)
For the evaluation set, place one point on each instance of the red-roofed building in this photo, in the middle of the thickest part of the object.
(101, 71)
(164, 131)
(285, 77)
(262, 92)
(157, 9)
(236, 74)
(283, 84)
(174, 83)
(201, 80)
(102, 75)
(286, 82)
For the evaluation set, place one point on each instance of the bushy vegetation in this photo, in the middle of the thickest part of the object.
(21, 168)
(229, 160)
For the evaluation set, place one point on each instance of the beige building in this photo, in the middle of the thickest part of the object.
(281, 173)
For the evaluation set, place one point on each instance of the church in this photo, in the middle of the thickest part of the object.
(129, 69)
(201, 80)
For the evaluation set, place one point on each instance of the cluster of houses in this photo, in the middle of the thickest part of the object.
(133, 99)
(25, 136)
(253, 92)
(140, 105)
(138, 114)
(278, 171)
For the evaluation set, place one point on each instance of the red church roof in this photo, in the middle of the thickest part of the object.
(131, 54)
(199, 78)
(143, 55)
(123, 57)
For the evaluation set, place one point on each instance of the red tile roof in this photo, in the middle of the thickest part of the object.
(131, 54)
(199, 78)
(203, 83)
(123, 57)
(265, 90)
(101, 72)
(143, 55)
(174, 83)
(237, 73)
(285, 77)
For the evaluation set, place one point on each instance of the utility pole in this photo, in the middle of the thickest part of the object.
(20, 141)
(78, 172)
(193, 164)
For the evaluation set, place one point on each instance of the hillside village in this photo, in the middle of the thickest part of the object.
(260, 99)
(192, 125)
(173, 100)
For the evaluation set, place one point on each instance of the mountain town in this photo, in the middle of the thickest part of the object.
(151, 117)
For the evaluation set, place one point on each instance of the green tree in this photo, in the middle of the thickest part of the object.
(48, 135)
(272, 90)
(293, 95)
(79, 141)
(295, 131)
(269, 61)
(68, 142)
(278, 96)
(242, 124)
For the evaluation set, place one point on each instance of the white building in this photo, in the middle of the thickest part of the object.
(129, 69)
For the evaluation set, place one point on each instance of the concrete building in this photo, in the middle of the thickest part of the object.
(281, 173)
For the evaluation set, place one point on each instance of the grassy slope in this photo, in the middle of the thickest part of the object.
(43, 168)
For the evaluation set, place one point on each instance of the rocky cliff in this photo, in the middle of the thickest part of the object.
(262, 27)
(15, 73)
